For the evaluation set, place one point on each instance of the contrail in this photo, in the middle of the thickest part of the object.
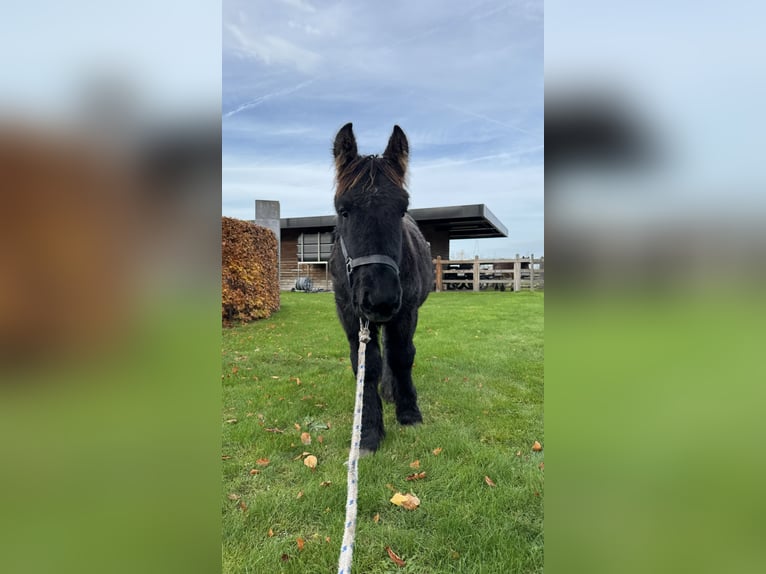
(486, 118)
(260, 99)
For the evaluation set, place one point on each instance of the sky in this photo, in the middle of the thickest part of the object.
(464, 80)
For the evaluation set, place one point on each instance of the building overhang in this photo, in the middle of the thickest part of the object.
(459, 221)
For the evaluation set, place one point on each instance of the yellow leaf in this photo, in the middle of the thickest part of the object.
(537, 447)
(271, 533)
(415, 464)
(376, 518)
(489, 481)
(301, 542)
(408, 501)
(437, 451)
(310, 461)
(305, 438)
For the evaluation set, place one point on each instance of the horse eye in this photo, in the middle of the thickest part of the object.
(344, 213)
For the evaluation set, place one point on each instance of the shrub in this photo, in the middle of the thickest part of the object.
(249, 277)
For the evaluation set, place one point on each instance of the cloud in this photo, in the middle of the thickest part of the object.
(274, 50)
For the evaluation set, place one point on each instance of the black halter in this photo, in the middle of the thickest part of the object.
(351, 264)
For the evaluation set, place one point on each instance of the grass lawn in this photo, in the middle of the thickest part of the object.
(479, 375)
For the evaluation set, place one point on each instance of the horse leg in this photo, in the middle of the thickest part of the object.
(400, 355)
(372, 410)
(387, 378)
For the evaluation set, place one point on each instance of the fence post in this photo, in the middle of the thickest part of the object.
(476, 273)
(438, 273)
(531, 271)
(517, 274)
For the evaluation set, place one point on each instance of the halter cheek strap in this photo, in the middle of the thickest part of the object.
(353, 263)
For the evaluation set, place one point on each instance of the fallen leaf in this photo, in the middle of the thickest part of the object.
(310, 461)
(297, 426)
(391, 554)
(274, 377)
(231, 421)
(233, 496)
(234, 370)
(301, 455)
(274, 430)
(455, 555)
(262, 462)
(254, 471)
(437, 451)
(327, 539)
(541, 466)
(320, 439)
(301, 542)
(416, 476)
(285, 558)
(376, 518)
(415, 464)
(537, 447)
(242, 505)
(325, 483)
(408, 501)
(300, 494)
(225, 457)
(306, 438)
(271, 533)
(248, 414)
(518, 453)
(489, 481)
(309, 354)
(297, 381)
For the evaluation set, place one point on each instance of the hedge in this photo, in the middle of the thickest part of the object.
(249, 276)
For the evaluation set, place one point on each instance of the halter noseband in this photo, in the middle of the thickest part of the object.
(351, 264)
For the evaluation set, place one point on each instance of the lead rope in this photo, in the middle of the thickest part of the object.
(349, 532)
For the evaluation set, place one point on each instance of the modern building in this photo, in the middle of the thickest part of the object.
(306, 242)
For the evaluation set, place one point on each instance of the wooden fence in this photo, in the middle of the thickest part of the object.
(478, 274)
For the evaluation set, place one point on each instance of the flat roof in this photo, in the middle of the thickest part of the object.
(460, 221)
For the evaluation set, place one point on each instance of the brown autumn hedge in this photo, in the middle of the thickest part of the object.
(249, 277)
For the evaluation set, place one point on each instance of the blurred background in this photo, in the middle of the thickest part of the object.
(110, 181)
(654, 325)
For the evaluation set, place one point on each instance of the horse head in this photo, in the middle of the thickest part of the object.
(371, 202)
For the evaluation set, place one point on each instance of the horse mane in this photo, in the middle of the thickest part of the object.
(368, 165)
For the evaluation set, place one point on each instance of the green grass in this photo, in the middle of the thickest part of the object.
(479, 375)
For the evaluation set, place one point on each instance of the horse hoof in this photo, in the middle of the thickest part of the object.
(409, 417)
(363, 452)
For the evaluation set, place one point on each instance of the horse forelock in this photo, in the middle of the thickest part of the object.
(366, 167)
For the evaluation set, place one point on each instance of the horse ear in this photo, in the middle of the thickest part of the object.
(344, 148)
(398, 150)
